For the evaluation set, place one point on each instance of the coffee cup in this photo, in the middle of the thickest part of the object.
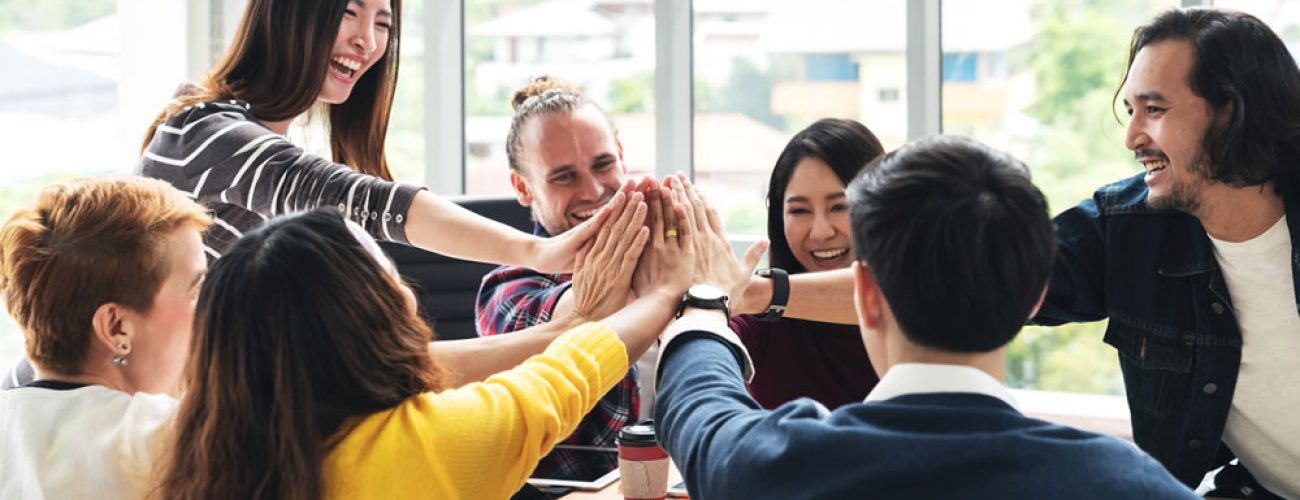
(642, 464)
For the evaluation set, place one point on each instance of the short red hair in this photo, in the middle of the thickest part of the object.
(83, 244)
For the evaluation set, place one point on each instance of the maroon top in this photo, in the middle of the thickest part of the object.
(795, 358)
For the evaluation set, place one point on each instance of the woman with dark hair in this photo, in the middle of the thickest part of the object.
(808, 226)
(224, 143)
(310, 374)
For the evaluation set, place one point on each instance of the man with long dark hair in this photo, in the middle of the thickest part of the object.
(1194, 261)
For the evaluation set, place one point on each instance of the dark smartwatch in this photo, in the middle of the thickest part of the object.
(780, 293)
(704, 297)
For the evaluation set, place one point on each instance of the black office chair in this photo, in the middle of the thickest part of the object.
(444, 287)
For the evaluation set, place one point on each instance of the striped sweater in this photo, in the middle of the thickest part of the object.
(223, 157)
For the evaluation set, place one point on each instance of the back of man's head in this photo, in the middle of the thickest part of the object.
(958, 240)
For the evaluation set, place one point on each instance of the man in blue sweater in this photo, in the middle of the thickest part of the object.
(954, 247)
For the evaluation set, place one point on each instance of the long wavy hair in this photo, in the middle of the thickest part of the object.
(845, 145)
(277, 62)
(298, 331)
(1238, 61)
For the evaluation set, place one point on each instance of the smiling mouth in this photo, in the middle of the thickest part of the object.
(585, 214)
(1154, 165)
(346, 68)
(829, 254)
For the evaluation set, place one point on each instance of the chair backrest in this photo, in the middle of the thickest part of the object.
(446, 287)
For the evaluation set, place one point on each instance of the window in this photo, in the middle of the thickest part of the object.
(405, 145)
(1283, 16)
(766, 69)
(606, 47)
(1041, 89)
(960, 67)
(1039, 86)
(94, 73)
(837, 67)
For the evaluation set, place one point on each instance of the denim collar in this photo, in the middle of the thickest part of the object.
(1188, 250)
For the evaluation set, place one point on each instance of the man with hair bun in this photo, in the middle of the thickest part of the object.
(566, 162)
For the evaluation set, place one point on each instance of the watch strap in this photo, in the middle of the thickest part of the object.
(780, 293)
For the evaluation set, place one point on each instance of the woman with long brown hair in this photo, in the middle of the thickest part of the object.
(310, 377)
(223, 143)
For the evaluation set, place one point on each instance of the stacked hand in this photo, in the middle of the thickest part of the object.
(668, 259)
(687, 244)
(603, 269)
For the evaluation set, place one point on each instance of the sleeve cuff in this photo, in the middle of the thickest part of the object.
(394, 217)
(693, 326)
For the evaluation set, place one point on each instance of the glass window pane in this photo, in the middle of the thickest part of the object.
(606, 47)
(1040, 86)
(765, 69)
(94, 73)
(405, 142)
(1283, 16)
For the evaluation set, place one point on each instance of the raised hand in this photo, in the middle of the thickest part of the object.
(714, 263)
(602, 276)
(556, 254)
(668, 260)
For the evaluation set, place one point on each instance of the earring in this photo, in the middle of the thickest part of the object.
(120, 359)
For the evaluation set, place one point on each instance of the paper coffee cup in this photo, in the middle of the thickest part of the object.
(642, 464)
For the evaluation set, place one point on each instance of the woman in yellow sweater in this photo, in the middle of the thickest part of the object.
(310, 376)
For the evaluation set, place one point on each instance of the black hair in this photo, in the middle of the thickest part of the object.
(844, 145)
(958, 240)
(1238, 61)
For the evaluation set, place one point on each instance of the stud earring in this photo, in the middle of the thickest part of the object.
(120, 359)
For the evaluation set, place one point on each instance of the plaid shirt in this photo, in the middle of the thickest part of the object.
(513, 298)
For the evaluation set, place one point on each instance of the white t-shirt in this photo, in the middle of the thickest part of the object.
(89, 442)
(1263, 428)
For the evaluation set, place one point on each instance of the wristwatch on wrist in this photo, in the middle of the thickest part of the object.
(780, 293)
(704, 297)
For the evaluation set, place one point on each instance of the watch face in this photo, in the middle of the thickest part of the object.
(706, 292)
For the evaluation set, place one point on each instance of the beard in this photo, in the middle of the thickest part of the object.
(1181, 197)
(553, 227)
(1184, 194)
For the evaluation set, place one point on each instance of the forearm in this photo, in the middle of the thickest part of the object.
(702, 410)
(825, 296)
(476, 359)
(440, 226)
(640, 323)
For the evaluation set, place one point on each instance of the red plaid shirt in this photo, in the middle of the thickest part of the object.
(512, 298)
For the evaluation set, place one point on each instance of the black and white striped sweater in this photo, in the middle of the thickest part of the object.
(223, 157)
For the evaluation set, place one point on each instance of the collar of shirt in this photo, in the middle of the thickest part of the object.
(927, 378)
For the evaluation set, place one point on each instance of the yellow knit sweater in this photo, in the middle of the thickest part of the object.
(480, 441)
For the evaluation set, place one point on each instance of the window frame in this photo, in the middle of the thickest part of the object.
(444, 108)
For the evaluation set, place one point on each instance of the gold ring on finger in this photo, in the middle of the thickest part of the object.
(670, 232)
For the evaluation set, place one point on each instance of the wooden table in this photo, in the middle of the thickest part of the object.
(615, 492)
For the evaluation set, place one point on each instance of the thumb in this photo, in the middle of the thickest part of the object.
(753, 254)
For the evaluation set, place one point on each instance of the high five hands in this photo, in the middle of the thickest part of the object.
(653, 237)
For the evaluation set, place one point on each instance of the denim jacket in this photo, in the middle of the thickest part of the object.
(1154, 274)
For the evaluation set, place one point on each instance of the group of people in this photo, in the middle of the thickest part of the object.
(223, 325)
